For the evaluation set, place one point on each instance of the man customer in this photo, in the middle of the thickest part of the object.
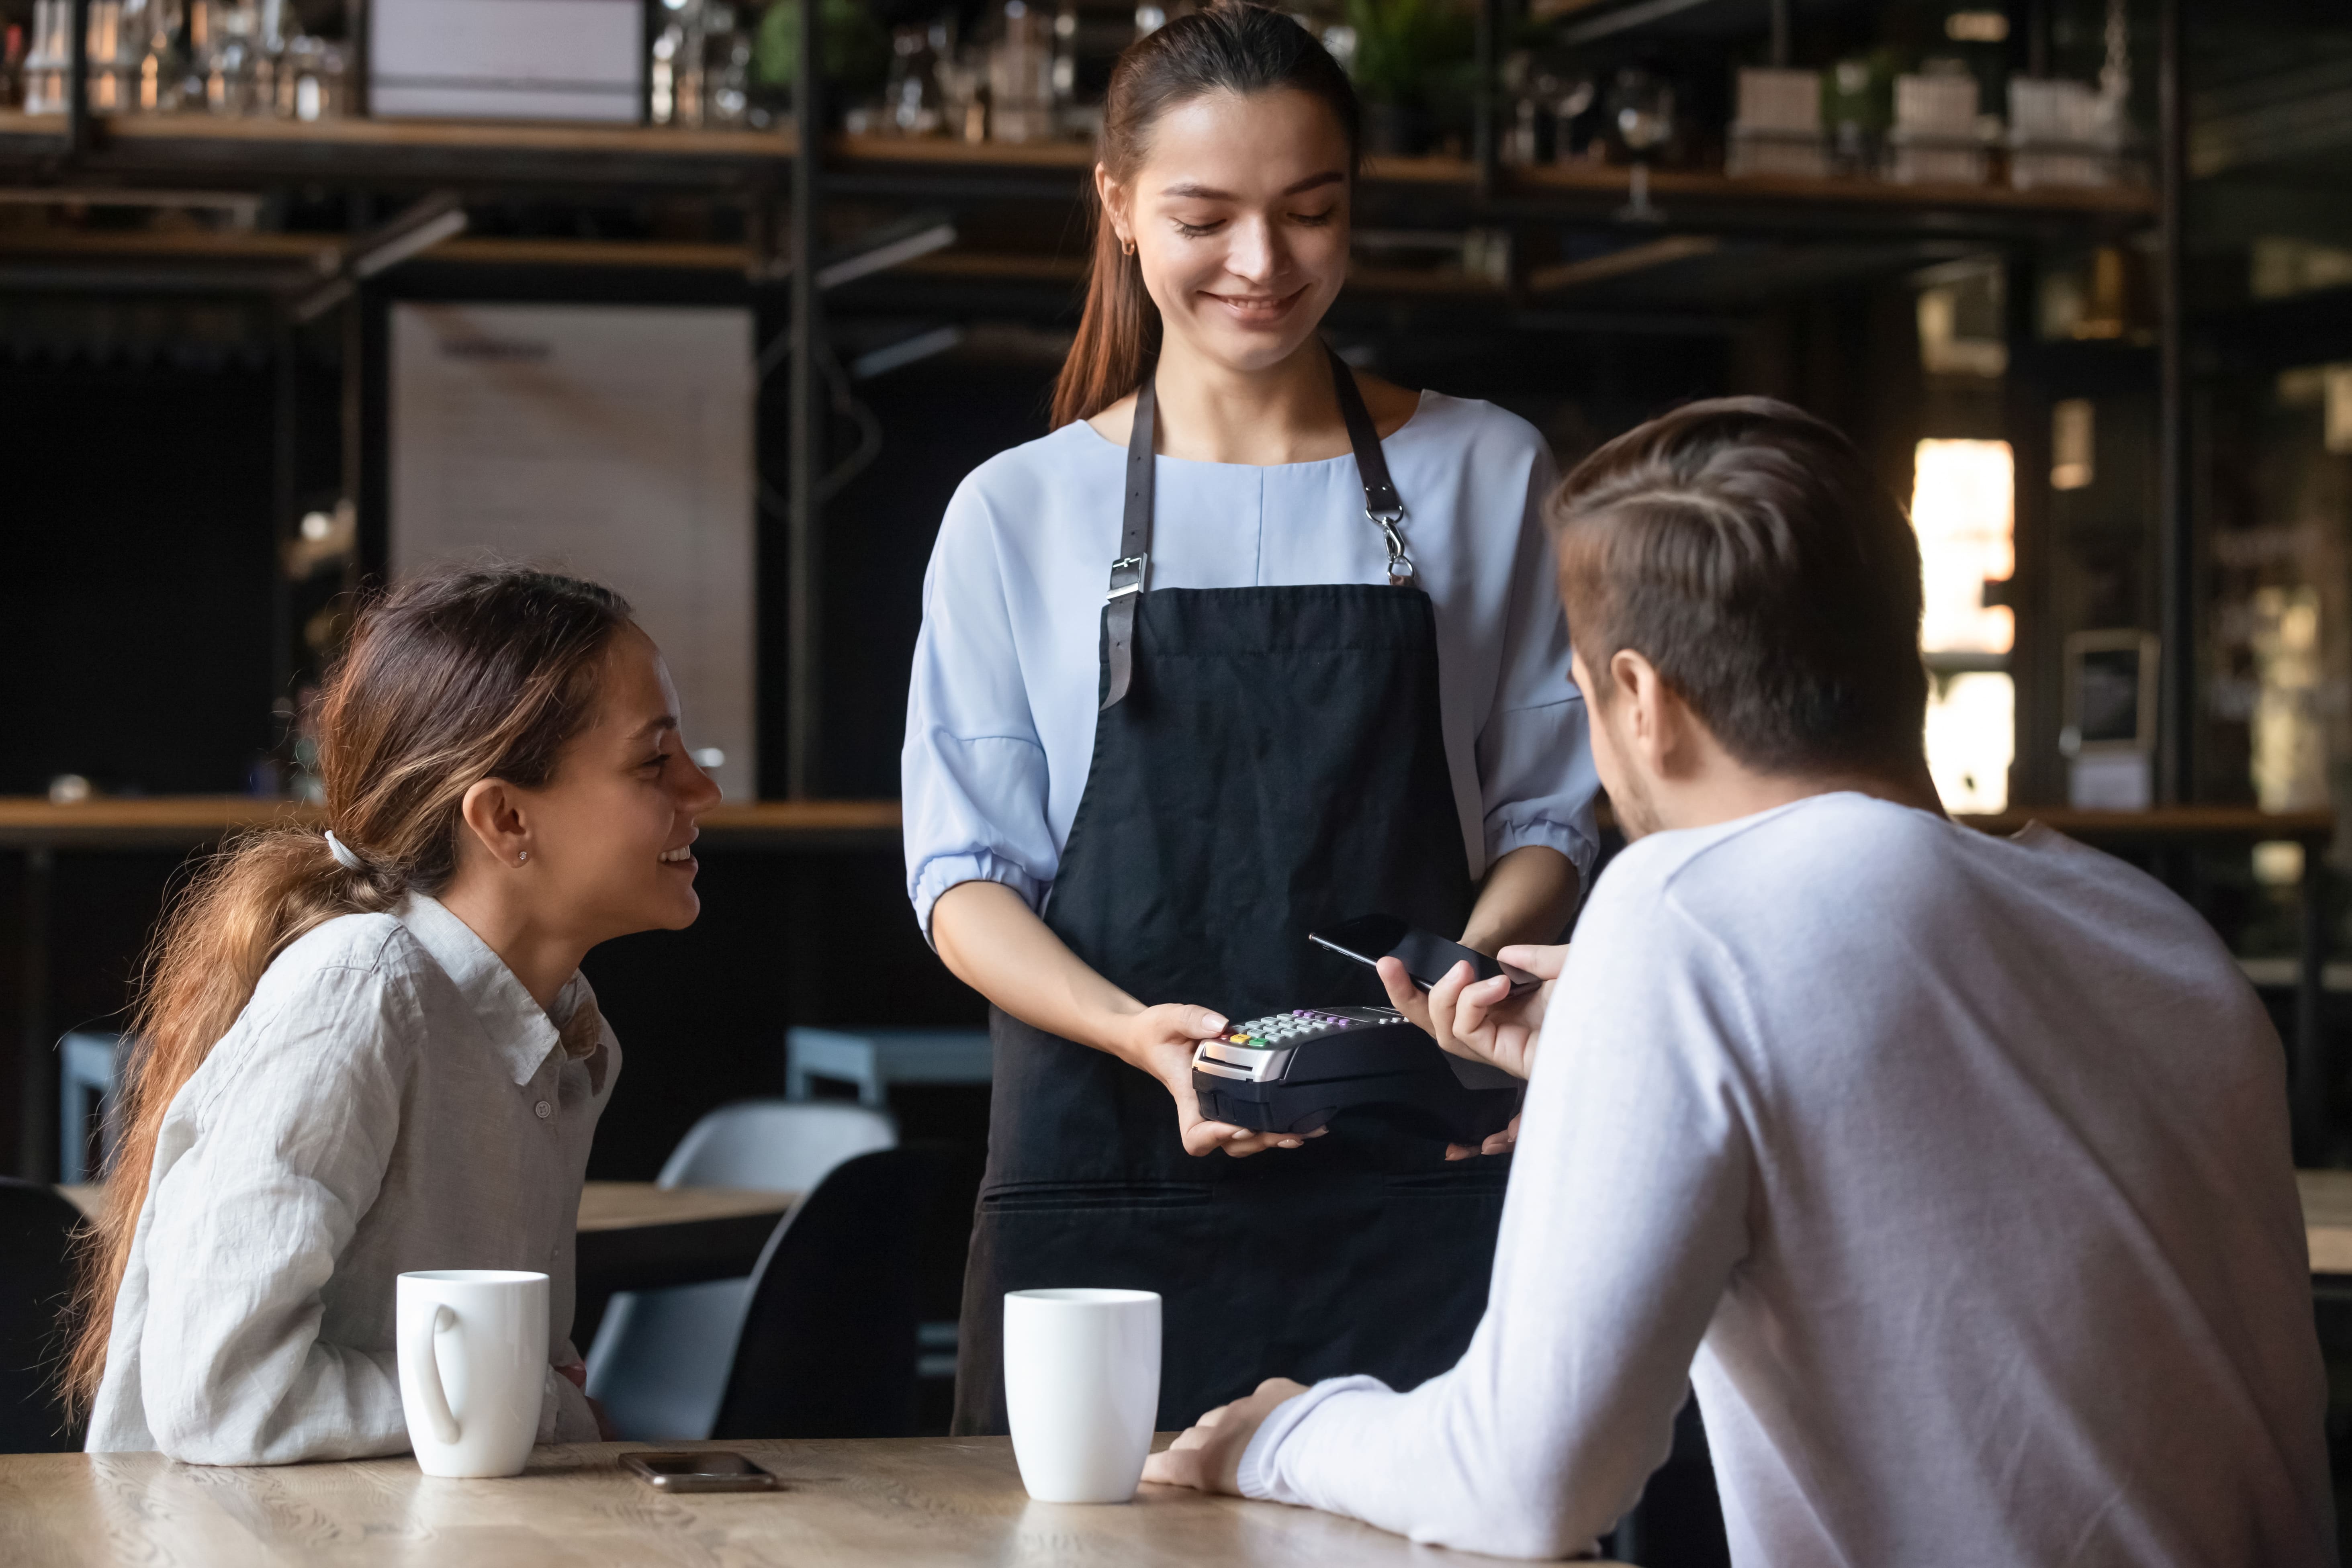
(1951, 1170)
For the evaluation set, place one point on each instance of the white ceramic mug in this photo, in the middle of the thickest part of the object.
(473, 1367)
(1081, 1386)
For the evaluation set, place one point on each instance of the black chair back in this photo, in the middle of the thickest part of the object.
(829, 1340)
(37, 1228)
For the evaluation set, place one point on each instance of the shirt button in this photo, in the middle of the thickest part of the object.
(544, 1110)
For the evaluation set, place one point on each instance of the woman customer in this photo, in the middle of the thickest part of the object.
(1330, 679)
(371, 1050)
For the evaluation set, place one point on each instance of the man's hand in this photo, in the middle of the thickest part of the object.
(1207, 1456)
(1161, 1041)
(1481, 1019)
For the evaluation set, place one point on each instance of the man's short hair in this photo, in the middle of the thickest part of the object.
(1744, 548)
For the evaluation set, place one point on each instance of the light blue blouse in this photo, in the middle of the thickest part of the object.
(1000, 714)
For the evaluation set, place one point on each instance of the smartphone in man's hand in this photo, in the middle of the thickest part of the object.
(1427, 958)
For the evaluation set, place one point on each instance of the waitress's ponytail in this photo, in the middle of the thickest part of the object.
(1232, 46)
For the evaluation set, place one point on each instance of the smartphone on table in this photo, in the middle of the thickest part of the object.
(709, 1470)
(1427, 958)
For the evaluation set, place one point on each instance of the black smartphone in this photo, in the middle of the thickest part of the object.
(1426, 958)
(710, 1470)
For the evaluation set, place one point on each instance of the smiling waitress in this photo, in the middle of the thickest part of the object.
(1330, 679)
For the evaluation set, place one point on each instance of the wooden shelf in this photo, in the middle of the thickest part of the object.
(194, 818)
(1610, 179)
(284, 259)
(166, 822)
(181, 149)
(1079, 157)
(469, 135)
(947, 152)
(188, 149)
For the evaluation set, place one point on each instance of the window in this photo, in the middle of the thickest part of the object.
(1963, 508)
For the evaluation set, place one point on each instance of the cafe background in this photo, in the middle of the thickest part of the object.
(2077, 273)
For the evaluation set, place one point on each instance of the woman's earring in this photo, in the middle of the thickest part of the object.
(520, 858)
(1126, 248)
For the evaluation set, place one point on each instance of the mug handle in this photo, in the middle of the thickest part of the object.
(416, 1349)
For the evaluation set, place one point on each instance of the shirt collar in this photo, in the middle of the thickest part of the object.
(518, 1027)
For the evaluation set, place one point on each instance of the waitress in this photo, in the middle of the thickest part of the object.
(1248, 644)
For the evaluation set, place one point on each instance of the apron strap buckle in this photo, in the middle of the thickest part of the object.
(1132, 568)
(1400, 563)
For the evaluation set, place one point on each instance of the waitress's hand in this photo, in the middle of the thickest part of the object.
(1481, 1019)
(1161, 1040)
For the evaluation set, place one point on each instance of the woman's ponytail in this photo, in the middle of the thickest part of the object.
(1118, 333)
(448, 681)
(1232, 46)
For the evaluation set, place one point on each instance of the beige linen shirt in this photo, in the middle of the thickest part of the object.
(391, 1098)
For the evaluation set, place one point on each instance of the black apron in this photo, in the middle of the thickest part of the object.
(1268, 760)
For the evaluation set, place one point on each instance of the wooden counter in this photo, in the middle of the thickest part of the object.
(894, 1503)
(187, 821)
(162, 821)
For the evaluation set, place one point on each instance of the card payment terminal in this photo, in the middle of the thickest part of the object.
(1293, 1072)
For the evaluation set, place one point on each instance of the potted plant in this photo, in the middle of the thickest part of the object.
(856, 53)
(1403, 48)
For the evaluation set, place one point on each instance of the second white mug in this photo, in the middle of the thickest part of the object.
(473, 1367)
(1081, 1390)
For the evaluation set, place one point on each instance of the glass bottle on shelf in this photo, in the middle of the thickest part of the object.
(268, 93)
(676, 78)
(46, 56)
(910, 100)
(727, 66)
(693, 73)
(310, 80)
(226, 57)
(1568, 109)
(1643, 113)
(1062, 75)
(1021, 77)
(163, 58)
(1543, 101)
(113, 52)
(12, 64)
(205, 19)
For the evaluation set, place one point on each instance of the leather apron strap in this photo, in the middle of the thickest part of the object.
(1134, 549)
(1382, 506)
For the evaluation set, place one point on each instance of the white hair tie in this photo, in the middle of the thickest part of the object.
(345, 856)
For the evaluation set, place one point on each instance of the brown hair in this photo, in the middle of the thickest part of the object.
(1232, 46)
(447, 680)
(1744, 548)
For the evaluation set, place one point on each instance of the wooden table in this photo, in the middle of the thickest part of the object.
(634, 1236)
(894, 1503)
